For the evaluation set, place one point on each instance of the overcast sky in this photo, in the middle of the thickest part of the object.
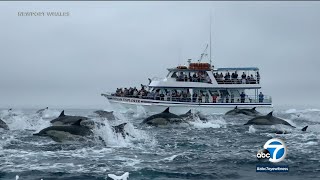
(69, 61)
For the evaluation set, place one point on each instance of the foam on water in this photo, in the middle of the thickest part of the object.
(251, 129)
(153, 152)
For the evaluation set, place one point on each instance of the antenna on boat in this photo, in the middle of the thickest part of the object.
(203, 54)
(210, 42)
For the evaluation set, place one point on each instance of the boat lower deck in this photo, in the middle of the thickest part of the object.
(156, 106)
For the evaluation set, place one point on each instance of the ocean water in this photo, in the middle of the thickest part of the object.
(222, 148)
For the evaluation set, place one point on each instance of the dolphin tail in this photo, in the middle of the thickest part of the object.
(120, 129)
(304, 129)
(254, 108)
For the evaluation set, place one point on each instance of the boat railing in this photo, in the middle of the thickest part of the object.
(237, 81)
(203, 99)
(157, 79)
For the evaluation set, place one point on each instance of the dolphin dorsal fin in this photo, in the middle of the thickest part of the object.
(270, 113)
(77, 123)
(189, 112)
(62, 114)
(254, 108)
(304, 129)
(167, 110)
(236, 107)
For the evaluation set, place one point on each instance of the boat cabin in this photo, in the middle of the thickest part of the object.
(244, 75)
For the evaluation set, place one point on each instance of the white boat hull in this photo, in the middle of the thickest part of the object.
(157, 106)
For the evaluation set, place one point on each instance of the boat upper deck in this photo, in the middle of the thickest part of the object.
(205, 76)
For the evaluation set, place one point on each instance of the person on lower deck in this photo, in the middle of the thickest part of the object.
(200, 97)
(194, 97)
(232, 98)
(243, 96)
(207, 98)
(261, 96)
(227, 98)
(214, 98)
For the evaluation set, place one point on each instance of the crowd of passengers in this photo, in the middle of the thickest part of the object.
(199, 76)
(233, 78)
(202, 76)
(181, 95)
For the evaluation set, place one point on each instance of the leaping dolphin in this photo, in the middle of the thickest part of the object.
(3, 125)
(66, 120)
(248, 112)
(106, 114)
(40, 111)
(190, 116)
(163, 118)
(286, 132)
(74, 131)
(62, 133)
(268, 119)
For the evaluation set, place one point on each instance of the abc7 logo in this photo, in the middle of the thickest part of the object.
(263, 154)
(274, 150)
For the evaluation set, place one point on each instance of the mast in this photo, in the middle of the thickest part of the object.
(210, 42)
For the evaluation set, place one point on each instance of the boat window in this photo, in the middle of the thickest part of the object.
(174, 75)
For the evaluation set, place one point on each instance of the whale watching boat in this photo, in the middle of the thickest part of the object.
(199, 87)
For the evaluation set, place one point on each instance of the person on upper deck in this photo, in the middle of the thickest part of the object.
(233, 76)
(244, 79)
(221, 76)
(243, 76)
(258, 77)
(194, 77)
(181, 76)
(208, 80)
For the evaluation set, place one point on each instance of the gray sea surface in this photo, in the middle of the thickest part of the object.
(222, 148)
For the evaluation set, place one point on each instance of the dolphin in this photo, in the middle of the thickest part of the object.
(286, 132)
(186, 115)
(75, 131)
(42, 110)
(61, 133)
(3, 125)
(248, 112)
(163, 118)
(268, 119)
(190, 116)
(106, 114)
(66, 120)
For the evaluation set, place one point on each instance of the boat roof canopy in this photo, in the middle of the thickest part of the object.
(186, 70)
(239, 69)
